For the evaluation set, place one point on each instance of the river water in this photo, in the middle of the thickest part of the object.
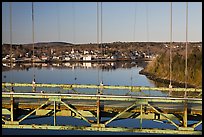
(110, 73)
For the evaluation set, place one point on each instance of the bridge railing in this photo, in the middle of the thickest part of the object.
(138, 107)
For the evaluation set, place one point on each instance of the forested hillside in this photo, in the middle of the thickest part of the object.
(160, 67)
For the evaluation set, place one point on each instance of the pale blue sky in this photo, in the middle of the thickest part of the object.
(54, 21)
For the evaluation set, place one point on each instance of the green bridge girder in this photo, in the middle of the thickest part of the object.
(140, 101)
(70, 86)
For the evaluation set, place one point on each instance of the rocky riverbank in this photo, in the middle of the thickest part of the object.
(165, 81)
(159, 69)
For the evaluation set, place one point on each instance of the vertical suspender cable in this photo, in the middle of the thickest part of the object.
(170, 56)
(12, 90)
(134, 21)
(58, 21)
(10, 6)
(101, 44)
(147, 22)
(147, 26)
(58, 24)
(147, 29)
(133, 39)
(186, 63)
(185, 113)
(98, 90)
(73, 9)
(98, 34)
(33, 82)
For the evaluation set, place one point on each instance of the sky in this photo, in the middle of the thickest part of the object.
(76, 22)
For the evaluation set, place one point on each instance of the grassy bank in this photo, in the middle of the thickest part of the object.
(159, 67)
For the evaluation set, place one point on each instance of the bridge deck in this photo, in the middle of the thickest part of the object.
(18, 106)
(107, 105)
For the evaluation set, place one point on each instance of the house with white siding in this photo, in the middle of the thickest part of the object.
(87, 57)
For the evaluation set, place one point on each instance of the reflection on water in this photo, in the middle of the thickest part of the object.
(111, 73)
(105, 66)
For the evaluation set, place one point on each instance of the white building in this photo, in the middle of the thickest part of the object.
(52, 51)
(55, 57)
(66, 58)
(72, 52)
(87, 57)
(133, 57)
(114, 57)
(86, 52)
(5, 58)
(44, 58)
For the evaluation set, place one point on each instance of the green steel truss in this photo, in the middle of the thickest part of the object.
(71, 86)
(135, 107)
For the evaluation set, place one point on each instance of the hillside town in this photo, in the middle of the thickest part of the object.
(51, 55)
(86, 52)
(76, 55)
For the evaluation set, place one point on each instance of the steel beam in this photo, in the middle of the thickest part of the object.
(12, 107)
(4, 120)
(103, 97)
(76, 112)
(70, 86)
(163, 115)
(6, 112)
(138, 100)
(110, 129)
(107, 122)
(98, 110)
(33, 111)
(197, 124)
(54, 113)
(141, 116)
(185, 113)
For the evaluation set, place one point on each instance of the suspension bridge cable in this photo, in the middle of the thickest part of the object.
(147, 25)
(170, 56)
(147, 22)
(33, 46)
(11, 79)
(12, 90)
(10, 6)
(101, 44)
(74, 39)
(186, 63)
(135, 13)
(73, 9)
(58, 20)
(98, 35)
(147, 29)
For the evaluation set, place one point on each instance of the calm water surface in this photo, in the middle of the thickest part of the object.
(125, 74)
(81, 73)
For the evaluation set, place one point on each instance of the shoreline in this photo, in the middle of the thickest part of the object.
(62, 61)
(165, 81)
